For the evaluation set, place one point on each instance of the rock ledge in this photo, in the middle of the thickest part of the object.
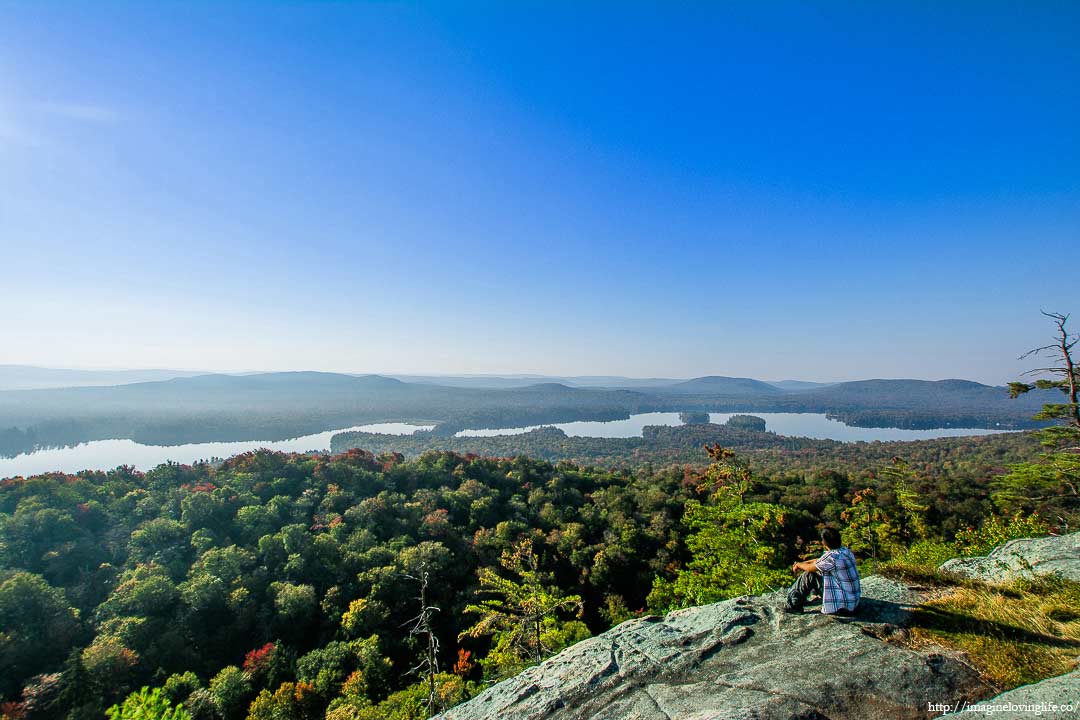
(741, 658)
(745, 658)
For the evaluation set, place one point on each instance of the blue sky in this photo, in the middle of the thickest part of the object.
(819, 191)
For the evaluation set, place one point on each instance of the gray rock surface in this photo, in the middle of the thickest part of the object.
(741, 658)
(1063, 690)
(1023, 558)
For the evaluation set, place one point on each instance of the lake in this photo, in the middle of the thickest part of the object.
(631, 427)
(811, 425)
(108, 454)
(820, 427)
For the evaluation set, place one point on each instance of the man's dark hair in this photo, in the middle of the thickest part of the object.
(831, 537)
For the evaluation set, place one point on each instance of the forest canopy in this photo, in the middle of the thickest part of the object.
(285, 585)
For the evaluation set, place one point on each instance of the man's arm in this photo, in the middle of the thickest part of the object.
(805, 566)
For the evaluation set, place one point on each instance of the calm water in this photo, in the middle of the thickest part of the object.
(108, 454)
(816, 425)
(630, 427)
(811, 425)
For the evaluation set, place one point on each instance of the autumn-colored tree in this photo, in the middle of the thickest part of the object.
(291, 701)
(257, 661)
(464, 665)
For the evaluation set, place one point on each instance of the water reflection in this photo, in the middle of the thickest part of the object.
(108, 454)
(810, 425)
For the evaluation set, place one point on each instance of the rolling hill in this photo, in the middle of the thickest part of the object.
(724, 386)
(274, 406)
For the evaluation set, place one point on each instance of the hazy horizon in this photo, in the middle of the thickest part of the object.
(436, 374)
(786, 191)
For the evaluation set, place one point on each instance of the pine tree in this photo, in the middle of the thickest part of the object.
(734, 544)
(870, 530)
(913, 506)
(523, 611)
(1050, 486)
(147, 704)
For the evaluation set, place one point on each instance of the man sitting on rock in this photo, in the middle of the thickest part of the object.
(833, 576)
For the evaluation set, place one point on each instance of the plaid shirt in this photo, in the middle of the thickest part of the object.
(840, 581)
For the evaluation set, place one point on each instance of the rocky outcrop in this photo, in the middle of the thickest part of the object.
(1023, 558)
(741, 658)
(745, 658)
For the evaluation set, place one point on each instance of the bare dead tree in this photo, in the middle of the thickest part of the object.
(1051, 485)
(421, 627)
(1065, 376)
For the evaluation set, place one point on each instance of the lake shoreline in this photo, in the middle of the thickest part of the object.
(110, 453)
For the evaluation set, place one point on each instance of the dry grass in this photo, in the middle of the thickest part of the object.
(925, 575)
(1014, 634)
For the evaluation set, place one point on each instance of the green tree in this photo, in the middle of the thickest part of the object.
(870, 528)
(163, 542)
(296, 606)
(913, 506)
(144, 591)
(326, 668)
(230, 689)
(410, 703)
(37, 628)
(147, 704)
(522, 610)
(736, 546)
(1051, 485)
(179, 686)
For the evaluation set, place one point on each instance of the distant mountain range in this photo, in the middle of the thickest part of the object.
(274, 406)
(30, 377)
(508, 381)
(605, 381)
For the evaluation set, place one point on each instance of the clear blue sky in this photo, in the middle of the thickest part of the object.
(810, 190)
